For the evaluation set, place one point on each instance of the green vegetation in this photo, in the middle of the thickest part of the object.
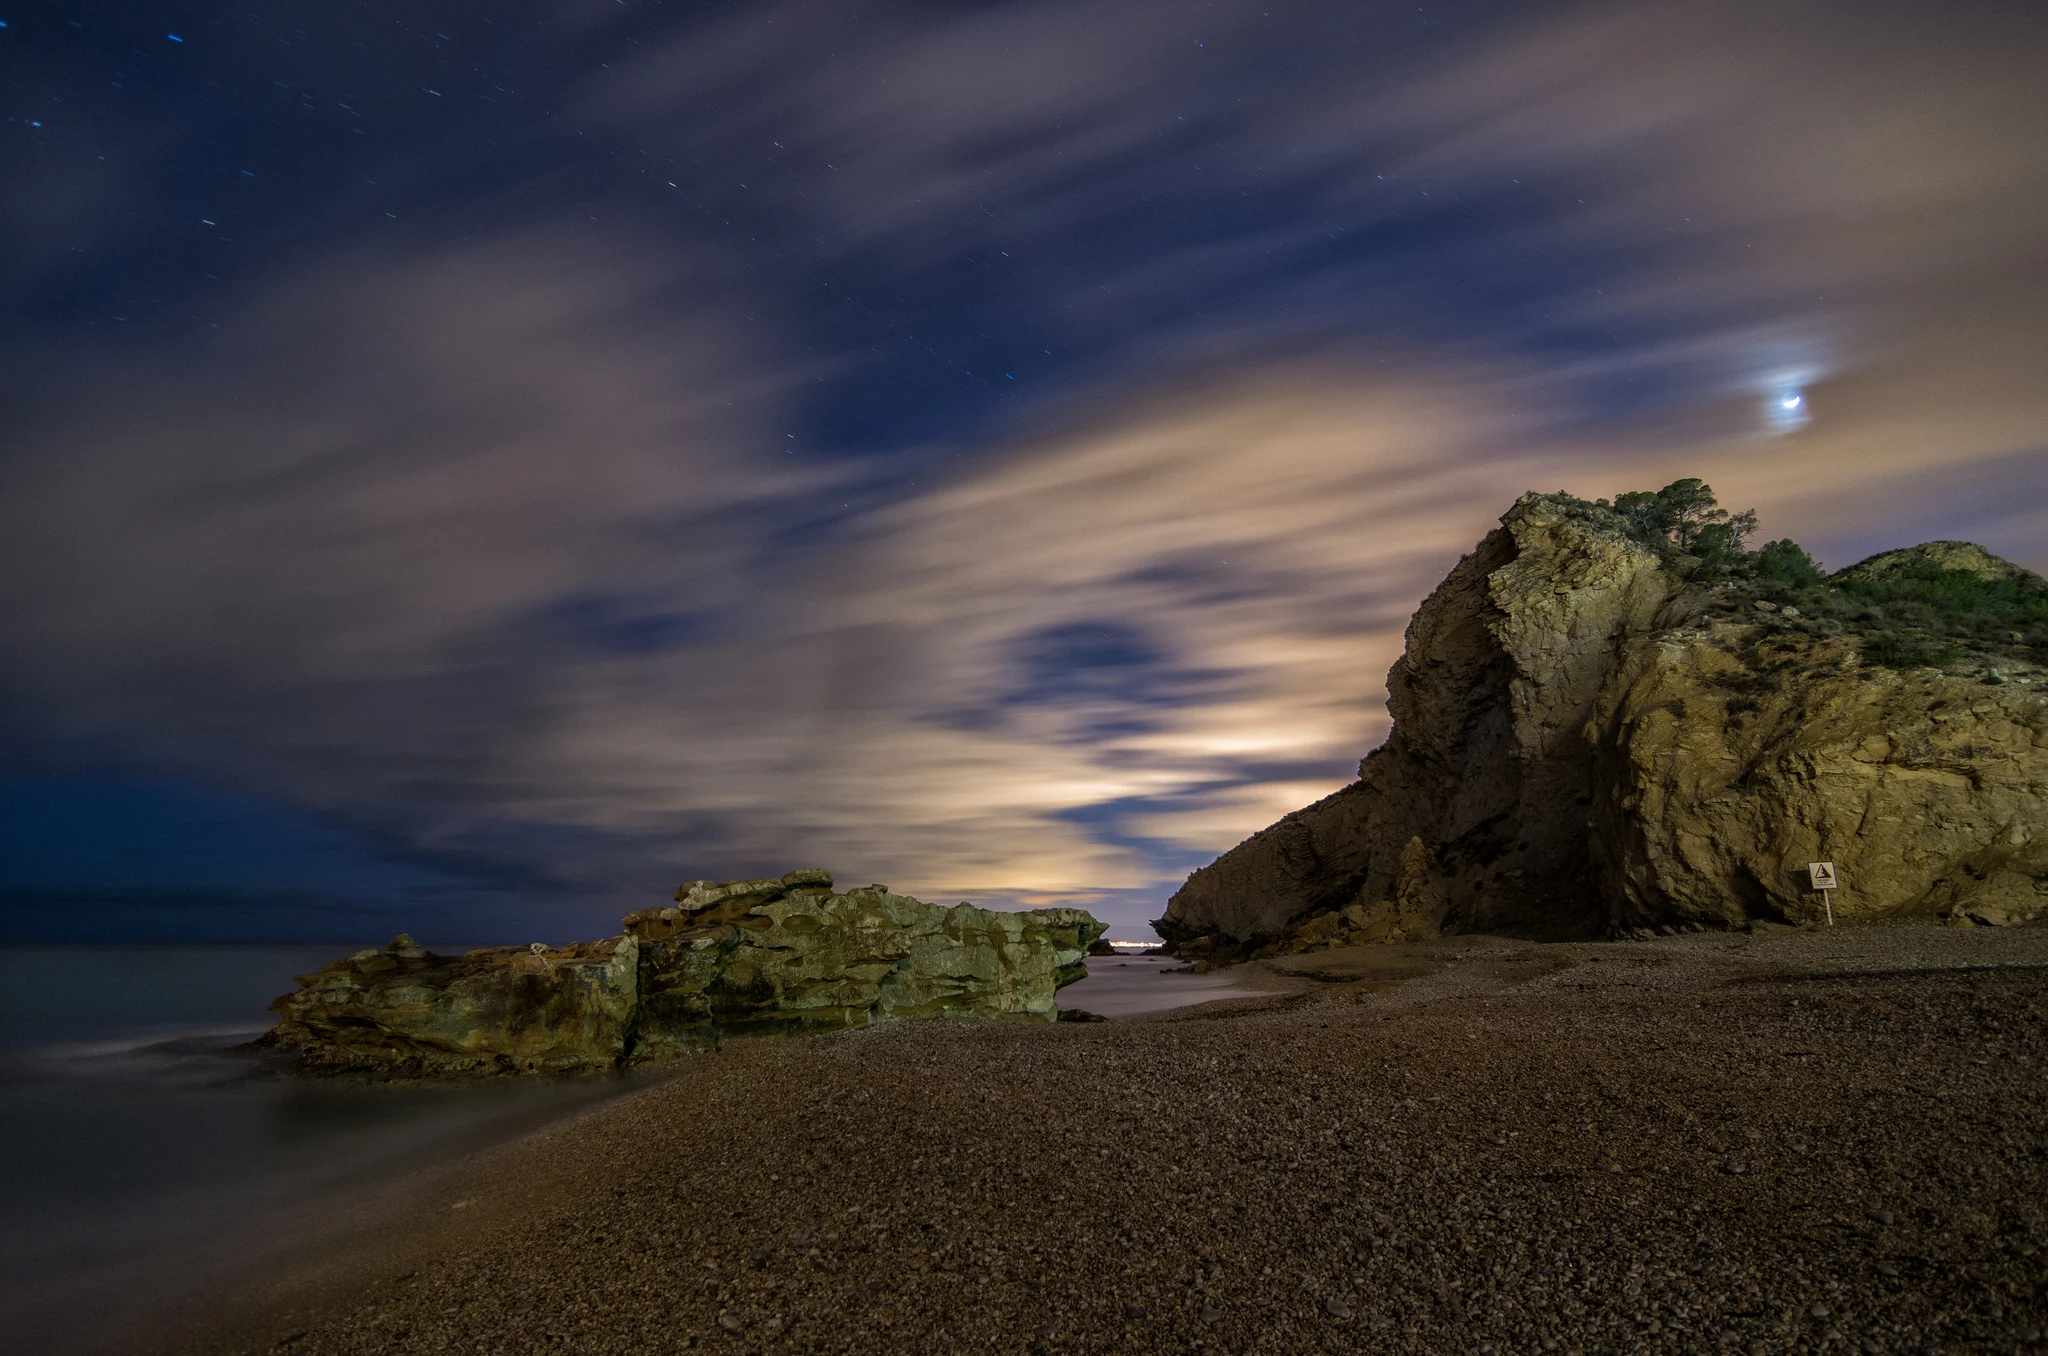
(1925, 614)
(1909, 650)
(1684, 518)
(1918, 613)
(1784, 564)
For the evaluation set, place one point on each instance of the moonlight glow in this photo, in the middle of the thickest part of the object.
(1785, 409)
(976, 457)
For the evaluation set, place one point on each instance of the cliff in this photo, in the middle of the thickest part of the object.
(741, 957)
(1589, 738)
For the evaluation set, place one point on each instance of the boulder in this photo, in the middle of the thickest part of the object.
(779, 954)
(514, 1009)
(790, 954)
(1586, 742)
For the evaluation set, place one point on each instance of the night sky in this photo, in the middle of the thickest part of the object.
(469, 474)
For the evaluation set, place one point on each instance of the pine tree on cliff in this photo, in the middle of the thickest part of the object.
(1685, 515)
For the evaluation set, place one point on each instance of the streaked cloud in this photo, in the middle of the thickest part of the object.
(541, 551)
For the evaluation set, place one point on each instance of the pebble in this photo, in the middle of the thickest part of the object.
(1879, 1216)
(1134, 1311)
(1336, 1308)
(1329, 1142)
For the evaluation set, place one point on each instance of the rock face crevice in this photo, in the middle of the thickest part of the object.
(1584, 741)
(777, 955)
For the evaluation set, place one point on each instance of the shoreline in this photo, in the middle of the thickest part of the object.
(1641, 1143)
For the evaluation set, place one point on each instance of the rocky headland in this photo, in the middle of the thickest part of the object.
(1610, 720)
(781, 954)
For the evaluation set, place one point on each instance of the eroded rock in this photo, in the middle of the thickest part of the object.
(790, 954)
(511, 1009)
(779, 954)
(1585, 741)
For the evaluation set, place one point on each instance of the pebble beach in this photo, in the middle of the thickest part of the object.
(1758, 1142)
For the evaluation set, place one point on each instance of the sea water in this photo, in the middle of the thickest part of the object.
(149, 1159)
(1125, 986)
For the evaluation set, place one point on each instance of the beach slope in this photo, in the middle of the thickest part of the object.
(1767, 1141)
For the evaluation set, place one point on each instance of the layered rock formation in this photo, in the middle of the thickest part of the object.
(740, 957)
(1584, 741)
(511, 1009)
(789, 954)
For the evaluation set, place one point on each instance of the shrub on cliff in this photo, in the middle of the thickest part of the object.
(1684, 516)
(1961, 599)
(1909, 650)
(1919, 612)
(1915, 607)
(1684, 519)
(1784, 564)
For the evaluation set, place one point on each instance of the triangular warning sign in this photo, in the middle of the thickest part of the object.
(1823, 874)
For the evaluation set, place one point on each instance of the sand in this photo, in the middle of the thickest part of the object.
(1777, 1142)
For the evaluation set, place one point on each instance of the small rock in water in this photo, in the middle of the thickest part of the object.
(1081, 1015)
(1336, 1308)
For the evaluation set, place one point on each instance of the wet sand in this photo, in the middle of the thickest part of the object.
(1779, 1142)
(1123, 987)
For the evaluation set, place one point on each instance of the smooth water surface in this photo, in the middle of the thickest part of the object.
(146, 1159)
(1131, 986)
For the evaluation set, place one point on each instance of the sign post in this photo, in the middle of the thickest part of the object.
(1825, 879)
